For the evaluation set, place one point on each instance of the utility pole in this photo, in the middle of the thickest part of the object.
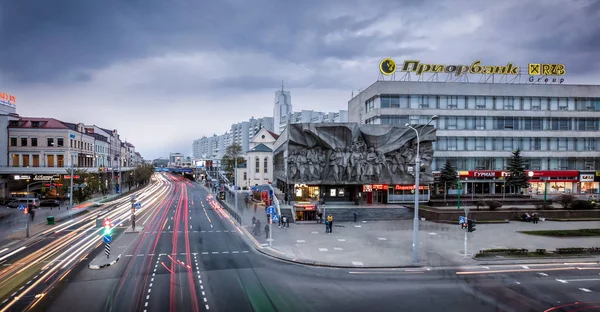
(133, 212)
(71, 189)
(235, 195)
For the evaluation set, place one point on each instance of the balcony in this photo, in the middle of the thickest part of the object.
(52, 170)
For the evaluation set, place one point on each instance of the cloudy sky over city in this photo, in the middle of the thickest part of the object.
(165, 72)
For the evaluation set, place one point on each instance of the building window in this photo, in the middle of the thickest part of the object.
(452, 101)
(562, 144)
(33, 141)
(13, 141)
(23, 141)
(266, 165)
(590, 144)
(25, 160)
(50, 162)
(451, 122)
(60, 160)
(245, 176)
(480, 102)
(536, 144)
(480, 144)
(452, 143)
(15, 159)
(60, 142)
(256, 165)
(35, 161)
(480, 123)
(508, 144)
(50, 144)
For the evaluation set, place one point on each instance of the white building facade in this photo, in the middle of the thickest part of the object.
(480, 124)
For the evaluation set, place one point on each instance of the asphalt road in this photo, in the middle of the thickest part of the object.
(189, 257)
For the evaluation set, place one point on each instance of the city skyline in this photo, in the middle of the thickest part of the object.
(145, 78)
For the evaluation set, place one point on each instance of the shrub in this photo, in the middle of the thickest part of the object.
(565, 200)
(493, 205)
(540, 251)
(544, 206)
(504, 251)
(480, 203)
(579, 204)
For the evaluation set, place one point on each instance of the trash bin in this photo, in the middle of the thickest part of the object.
(50, 220)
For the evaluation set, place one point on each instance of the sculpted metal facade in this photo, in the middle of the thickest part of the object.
(349, 153)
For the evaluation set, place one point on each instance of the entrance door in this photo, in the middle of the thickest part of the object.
(379, 196)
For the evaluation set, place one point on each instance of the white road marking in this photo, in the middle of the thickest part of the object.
(517, 283)
(525, 267)
(322, 249)
(432, 233)
(381, 238)
(358, 226)
(585, 289)
(341, 240)
(357, 263)
(542, 274)
(338, 248)
(300, 241)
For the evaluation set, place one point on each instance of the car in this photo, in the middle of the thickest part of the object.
(49, 203)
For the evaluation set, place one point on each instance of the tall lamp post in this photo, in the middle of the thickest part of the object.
(416, 214)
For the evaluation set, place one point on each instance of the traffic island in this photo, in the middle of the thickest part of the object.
(105, 265)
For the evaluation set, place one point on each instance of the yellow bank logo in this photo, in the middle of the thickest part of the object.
(387, 66)
(547, 69)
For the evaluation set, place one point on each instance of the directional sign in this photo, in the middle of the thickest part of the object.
(462, 220)
(21, 207)
(271, 210)
(137, 205)
(107, 239)
(275, 218)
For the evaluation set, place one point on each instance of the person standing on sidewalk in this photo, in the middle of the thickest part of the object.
(355, 216)
(326, 226)
(330, 220)
(267, 231)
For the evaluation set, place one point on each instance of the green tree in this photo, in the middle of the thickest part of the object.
(143, 173)
(448, 175)
(517, 177)
(228, 161)
(90, 181)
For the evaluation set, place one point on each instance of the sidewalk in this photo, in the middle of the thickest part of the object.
(14, 232)
(389, 243)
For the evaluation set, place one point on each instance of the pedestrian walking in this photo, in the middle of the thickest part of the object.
(355, 216)
(253, 220)
(287, 222)
(267, 231)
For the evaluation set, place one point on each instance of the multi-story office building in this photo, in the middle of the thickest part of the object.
(8, 112)
(176, 159)
(282, 108)
(244, 131)
(480, 124)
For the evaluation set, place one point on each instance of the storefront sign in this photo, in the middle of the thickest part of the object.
(22, 177)
(388, 67)
(8, 100)
(410, 187)
(586, 178)
(39, 177)
(69, 177)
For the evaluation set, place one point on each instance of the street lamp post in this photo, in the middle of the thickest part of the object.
(71, 188)
(235, 195)
(416, 212)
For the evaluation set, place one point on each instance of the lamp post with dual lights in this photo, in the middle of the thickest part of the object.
(530, 175)
(417, 172)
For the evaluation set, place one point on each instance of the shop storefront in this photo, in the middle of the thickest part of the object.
(589, 182)
(393, 194)
(329, 193)
(305, 211)
(494, 182)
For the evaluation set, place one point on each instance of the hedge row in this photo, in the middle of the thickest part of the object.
(563, 251)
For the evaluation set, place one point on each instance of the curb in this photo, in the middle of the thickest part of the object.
(102, 266)
(276, 254)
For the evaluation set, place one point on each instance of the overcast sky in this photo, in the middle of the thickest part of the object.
(165, 72)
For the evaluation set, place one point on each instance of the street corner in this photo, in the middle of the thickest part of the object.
(99, 266)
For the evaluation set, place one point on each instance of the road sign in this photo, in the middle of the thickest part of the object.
(21, 207)
(107, 249)
(137, 205)
(271, 210)
(462, 220)
(107, 239)
(275, 218)
(271, 193)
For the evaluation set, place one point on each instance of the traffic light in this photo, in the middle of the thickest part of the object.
(471, 225)
(463, 225)
(107, 228)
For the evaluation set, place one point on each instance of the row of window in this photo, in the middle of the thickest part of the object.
(257, 165)
(482, 102)
(493, 123)
(510, 144)
(56, 142)
(500, 163)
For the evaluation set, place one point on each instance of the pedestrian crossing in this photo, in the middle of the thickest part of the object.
(238, 252)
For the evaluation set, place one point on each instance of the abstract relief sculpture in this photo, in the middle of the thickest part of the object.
(348, 153)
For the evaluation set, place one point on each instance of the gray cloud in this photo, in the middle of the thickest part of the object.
(311, 45)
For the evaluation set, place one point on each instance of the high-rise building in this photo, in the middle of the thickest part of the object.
(282, 108)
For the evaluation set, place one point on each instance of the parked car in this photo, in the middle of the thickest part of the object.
(50, 203)
(24, 201)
